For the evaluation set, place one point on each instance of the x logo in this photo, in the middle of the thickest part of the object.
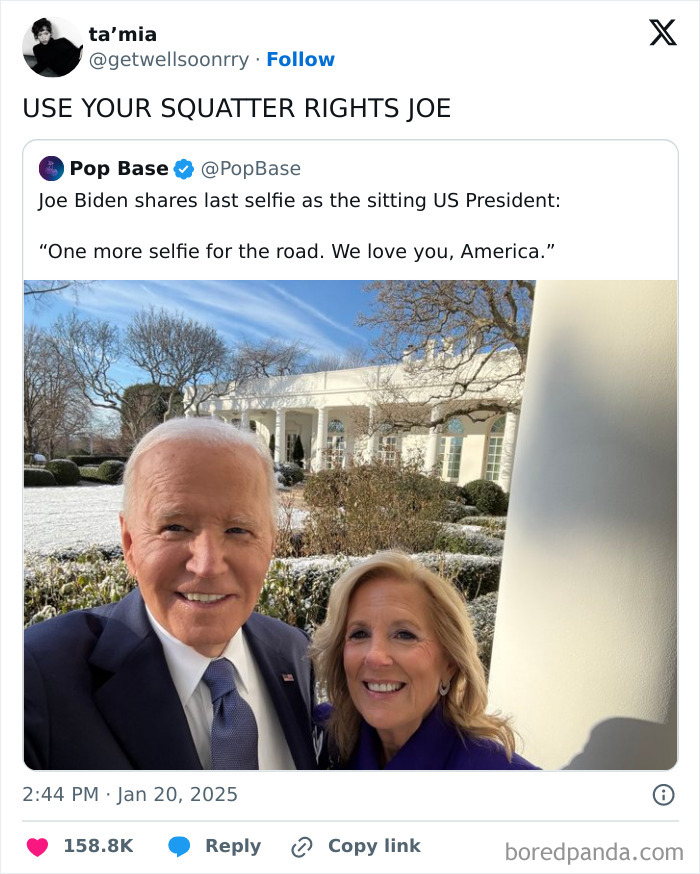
(662, 32)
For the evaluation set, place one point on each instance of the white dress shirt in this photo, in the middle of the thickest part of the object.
(187, 668)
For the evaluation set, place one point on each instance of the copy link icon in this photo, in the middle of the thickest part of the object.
(301, 847)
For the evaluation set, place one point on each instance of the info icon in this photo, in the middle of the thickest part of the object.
(51, 168)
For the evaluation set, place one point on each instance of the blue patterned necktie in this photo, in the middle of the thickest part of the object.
(234, 731)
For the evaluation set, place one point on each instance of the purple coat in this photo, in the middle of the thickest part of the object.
(436, 746)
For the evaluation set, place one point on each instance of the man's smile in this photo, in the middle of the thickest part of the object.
(202, 597)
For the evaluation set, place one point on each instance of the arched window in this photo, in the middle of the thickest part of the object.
(495, 449)
(335, 443)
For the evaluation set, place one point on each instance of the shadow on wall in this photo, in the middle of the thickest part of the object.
(627, 745)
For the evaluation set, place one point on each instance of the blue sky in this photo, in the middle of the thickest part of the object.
(320, 314)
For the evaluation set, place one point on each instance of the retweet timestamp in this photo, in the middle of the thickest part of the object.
(93, 845)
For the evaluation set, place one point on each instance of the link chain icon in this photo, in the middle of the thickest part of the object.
(301, 847)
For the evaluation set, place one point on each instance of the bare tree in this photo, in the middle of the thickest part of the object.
(465, 341)
(105, 436)
(178, 352)
(91, 348)
(354, 356)
(54, 408)
(175, 352)
(42, 291)
(143, 406)
(271, 357)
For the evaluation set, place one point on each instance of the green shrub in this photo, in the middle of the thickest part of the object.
(291, 473)
(492, 526)
(28, 457)
(38, 476)
(453, 538)
(111, 471)
(95, 460)
(298, 452)
(453, 492)
(454, 511)
(363, 508)
(295, 590)
(482, 612)
(66, 473)
(54, 585)
(488, 497)
(473, 575)
(89, 473)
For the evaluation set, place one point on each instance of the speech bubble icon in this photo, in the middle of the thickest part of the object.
(178, 845)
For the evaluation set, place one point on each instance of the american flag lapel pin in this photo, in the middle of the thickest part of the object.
(288, 678)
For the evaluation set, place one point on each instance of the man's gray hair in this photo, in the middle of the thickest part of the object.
(211, 433)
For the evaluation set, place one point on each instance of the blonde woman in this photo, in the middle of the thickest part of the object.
(398, 659)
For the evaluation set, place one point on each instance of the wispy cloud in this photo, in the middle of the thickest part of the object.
(238, 309)
(316, 313)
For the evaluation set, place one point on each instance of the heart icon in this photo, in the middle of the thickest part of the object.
(37, 846)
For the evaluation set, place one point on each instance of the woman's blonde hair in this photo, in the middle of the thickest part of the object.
(464, 705)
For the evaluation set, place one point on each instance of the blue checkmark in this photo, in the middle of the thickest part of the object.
(183, 169)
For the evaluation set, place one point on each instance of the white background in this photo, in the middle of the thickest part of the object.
(513, 71)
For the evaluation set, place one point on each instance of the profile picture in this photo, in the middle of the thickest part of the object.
(52, 47)
(51, 168)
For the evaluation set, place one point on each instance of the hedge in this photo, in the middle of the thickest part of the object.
(66, 472)
(111, 471)
(291, 473)
(296, 590)
(38, 476)
(82, 460)
(458, 538)
(487, 496)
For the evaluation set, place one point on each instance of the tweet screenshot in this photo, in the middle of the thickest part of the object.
(358, 349)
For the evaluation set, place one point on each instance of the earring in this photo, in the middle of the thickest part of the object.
(443, 689)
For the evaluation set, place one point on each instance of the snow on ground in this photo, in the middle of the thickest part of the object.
(73, 517)
(456, 528)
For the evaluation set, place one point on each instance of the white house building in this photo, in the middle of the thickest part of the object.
(344, 414)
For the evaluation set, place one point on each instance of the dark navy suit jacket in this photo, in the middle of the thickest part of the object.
(98, 693)
(436, 746)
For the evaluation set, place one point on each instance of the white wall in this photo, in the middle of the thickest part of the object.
(585, 648)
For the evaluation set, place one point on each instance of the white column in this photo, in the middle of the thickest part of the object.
(349, 449)
(585, 646)
(508, 450)
(373, 437)
(431, 452)
(280, 432)
(321, 433)
(245, 419)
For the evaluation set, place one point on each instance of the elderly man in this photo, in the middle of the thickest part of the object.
(181, 674)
